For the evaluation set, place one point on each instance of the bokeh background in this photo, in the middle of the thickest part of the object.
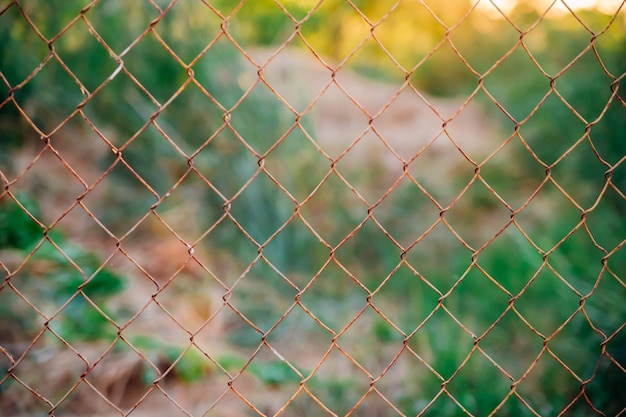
(244, 208)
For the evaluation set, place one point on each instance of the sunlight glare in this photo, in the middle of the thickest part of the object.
(604, 6)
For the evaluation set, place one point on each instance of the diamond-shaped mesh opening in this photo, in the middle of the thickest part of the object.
(512, 345)
(25, 36)
(339, 382)
(568, 347)
(548, 199)
(70, 49)
(36, 104)
(447, 184)
(550, 317)
(333, 196)
(131, 113)
(446, 55)
(380, 335)
(474, 370)
(491, 306)
(440, 276)
(188, 135)
(475, 30)
(107, 202)
(384, 167)
(397, 321)
(341, 121)
(389, 217)
(267, 369)
(262, 296)
(443, 357)
(498, 216)
(283, 250)
(150, 49)
(378, 255)
(548, 383)
(202, 20)
(500, 171)
(342, 297)
(294, 333)
(295, 166)
(350, 30)
(91, 151)
(296, 76)
(287, 207)
(521, 72)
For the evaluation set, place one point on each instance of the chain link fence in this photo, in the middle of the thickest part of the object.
(281, 207)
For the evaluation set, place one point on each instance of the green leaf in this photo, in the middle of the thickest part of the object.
(17, 228)
(274, 373)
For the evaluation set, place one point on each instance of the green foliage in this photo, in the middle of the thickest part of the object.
(585, 86)
(194, 120)
(18, 229)
(274, 373)
(189, 365)
(271, 373)
(594, 94)
(192, 367)
(385, 333)
(58, 272)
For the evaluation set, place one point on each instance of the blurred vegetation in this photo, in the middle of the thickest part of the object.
(59, 272)
(224, 129)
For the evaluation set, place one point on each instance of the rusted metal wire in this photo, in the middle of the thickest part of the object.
(32, 383)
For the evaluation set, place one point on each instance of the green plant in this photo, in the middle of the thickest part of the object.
(57, 272)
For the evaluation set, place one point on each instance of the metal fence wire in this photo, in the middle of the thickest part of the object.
(303, 207)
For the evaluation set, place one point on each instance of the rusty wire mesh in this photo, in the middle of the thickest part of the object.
(350, 253)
